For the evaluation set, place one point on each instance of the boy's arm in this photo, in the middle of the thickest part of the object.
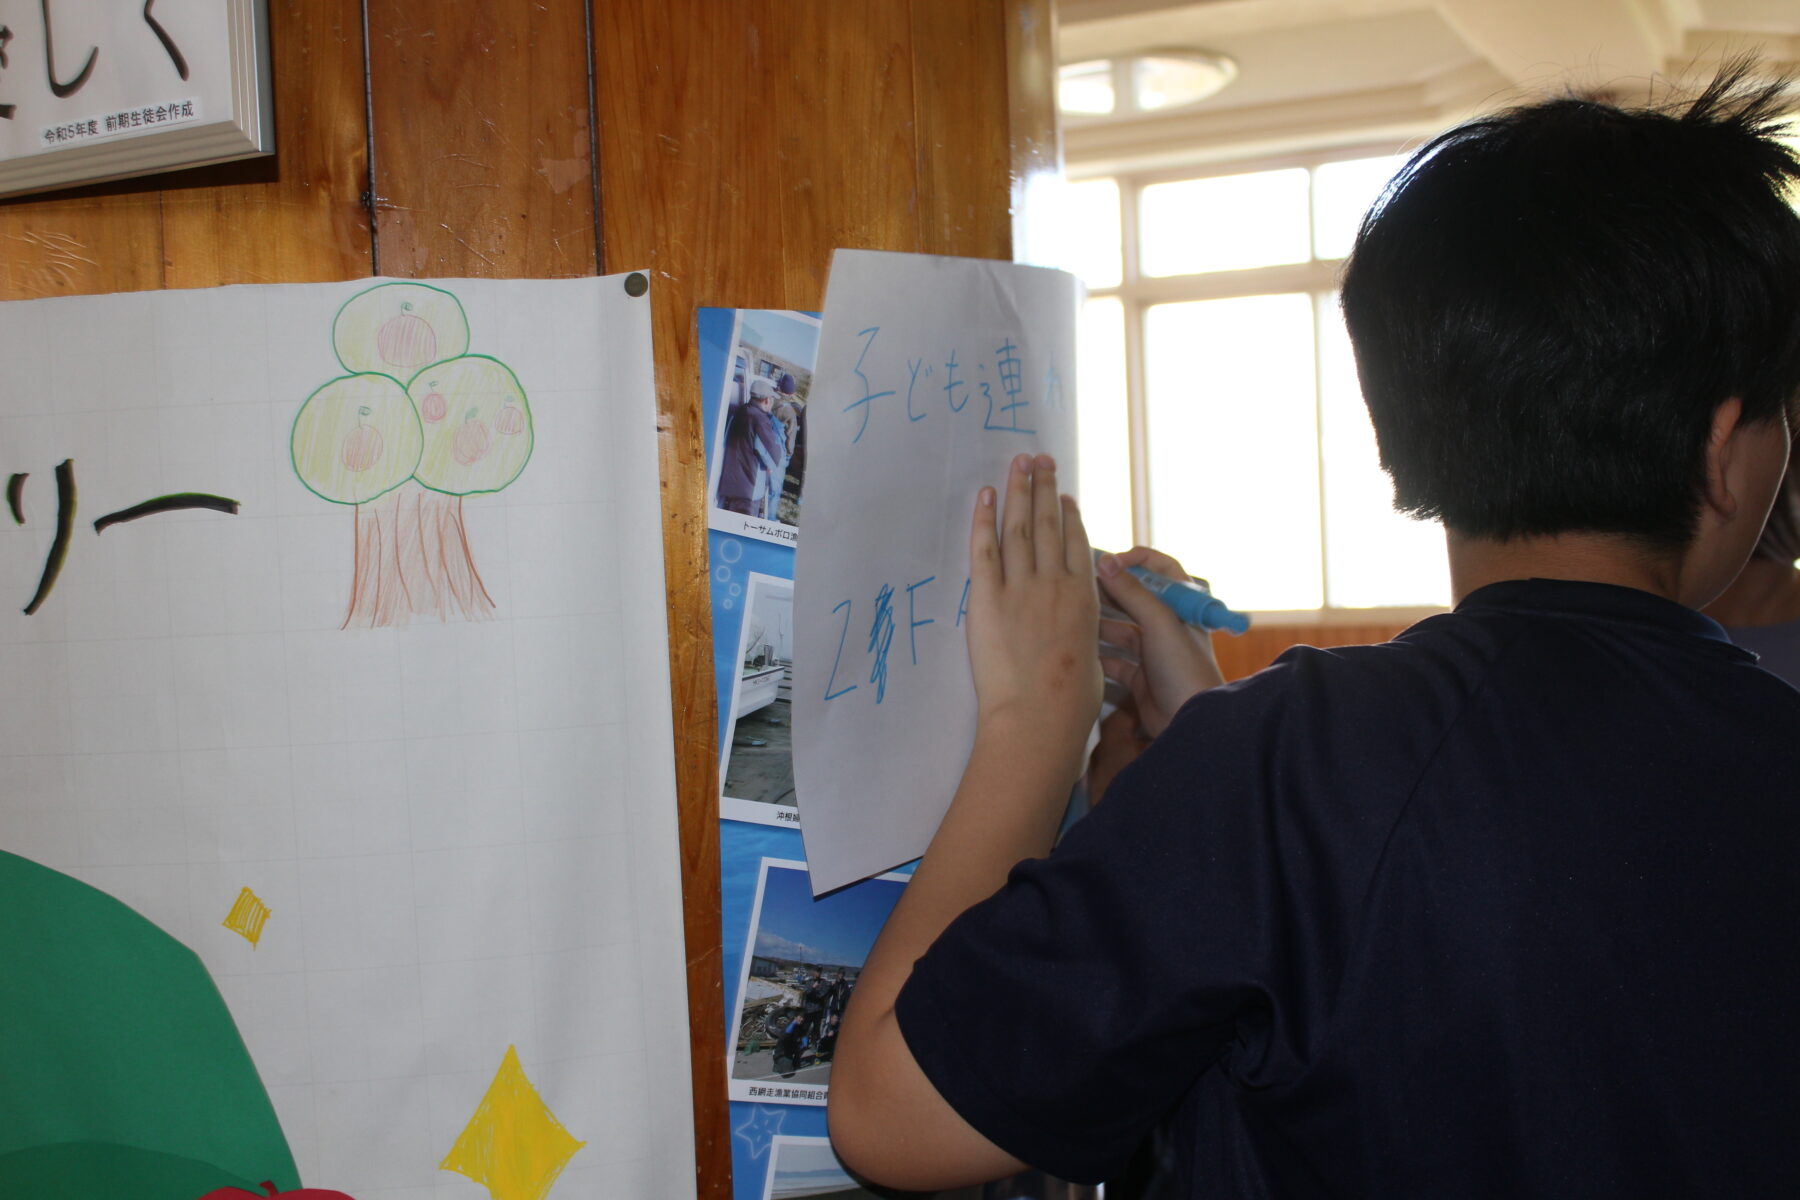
(1033, 621)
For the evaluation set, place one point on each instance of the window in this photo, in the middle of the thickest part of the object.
(1220, 414)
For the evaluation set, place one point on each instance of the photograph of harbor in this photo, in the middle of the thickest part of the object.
(801, 964)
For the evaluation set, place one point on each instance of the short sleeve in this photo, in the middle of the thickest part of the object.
(1197, 919)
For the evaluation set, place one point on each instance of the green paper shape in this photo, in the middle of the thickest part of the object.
(121, 1070)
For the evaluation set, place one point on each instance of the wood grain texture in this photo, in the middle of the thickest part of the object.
(308, 223)
(848, 175)
(482, 148)
(1262, 644)
(689, 195)
(962, 154)
(80, 245)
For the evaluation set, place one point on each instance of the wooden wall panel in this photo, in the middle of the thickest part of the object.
(690, 194)
(308, 224)
(962, 152)
(848, 175)
(740, 143)
(68, 247)
(482, 143)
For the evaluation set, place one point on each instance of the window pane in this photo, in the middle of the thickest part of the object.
(1104, 432)
(1373, 555)
(1085, 87)
(1224, 224)
(1233, 443)
(1342, 193)
(1085, 238)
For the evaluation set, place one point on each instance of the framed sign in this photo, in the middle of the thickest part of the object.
(104, 89)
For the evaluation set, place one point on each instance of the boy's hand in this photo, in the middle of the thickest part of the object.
(1034, 617)
(1174, 661)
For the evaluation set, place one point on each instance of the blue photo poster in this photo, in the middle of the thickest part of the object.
(789, 961)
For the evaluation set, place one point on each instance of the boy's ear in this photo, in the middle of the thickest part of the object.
(1722, 456)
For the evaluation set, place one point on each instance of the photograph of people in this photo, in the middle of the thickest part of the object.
(801, 965)
(754, 451)
(759, 455)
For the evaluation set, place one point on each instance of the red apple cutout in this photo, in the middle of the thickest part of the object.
(233, 1193)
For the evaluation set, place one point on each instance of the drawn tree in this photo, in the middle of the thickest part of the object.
(418, 424)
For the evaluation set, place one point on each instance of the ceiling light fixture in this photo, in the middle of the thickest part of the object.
(1152, 81)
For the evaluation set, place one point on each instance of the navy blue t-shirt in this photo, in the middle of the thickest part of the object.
(1504, 907)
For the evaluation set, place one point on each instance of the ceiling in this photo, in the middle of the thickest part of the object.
(1331, 72)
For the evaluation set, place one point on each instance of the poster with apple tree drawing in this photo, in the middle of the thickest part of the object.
(337, 816)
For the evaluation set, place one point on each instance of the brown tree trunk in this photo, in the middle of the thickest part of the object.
(412, 559)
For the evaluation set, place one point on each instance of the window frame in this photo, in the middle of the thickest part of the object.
(1137, 292)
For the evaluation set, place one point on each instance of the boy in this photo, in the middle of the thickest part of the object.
(1504, 907)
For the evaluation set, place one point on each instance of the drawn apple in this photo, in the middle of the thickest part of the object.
(362, 446)
(471, 444)
(406, 341)
(434, 407)
(234, 1193)
(510, 421)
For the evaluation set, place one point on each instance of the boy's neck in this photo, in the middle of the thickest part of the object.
(1584, 557)
(1766, 592)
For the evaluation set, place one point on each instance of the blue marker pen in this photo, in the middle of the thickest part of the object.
(1191, 600)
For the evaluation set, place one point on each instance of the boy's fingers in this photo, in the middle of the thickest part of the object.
(1121, 634)
(1155, 560)
(984, 540)
(1139, 602)
(1046, 515)
(1078, 556)
(1016, 551)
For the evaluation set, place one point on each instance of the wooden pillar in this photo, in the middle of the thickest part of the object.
(740, 142)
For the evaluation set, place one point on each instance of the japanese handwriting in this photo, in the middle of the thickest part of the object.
(951, 383)
(6, 35)
(1000, 382)
(882, 629)
(912, 381)
(168, 43)
(65, 519)
(869, 394)
(62, 89)
(881, 640)
(1012, 383)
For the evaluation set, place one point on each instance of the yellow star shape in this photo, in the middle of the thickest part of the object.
(514, 1146)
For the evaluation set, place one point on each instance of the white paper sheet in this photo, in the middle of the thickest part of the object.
(457, 816)
(933, 373)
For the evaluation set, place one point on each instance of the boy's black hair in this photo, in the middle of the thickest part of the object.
(1548, 305)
